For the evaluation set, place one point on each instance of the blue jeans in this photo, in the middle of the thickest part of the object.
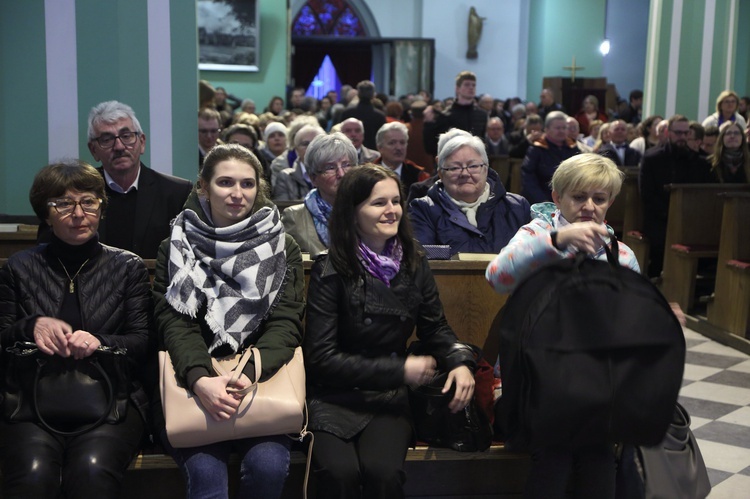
(263, 470)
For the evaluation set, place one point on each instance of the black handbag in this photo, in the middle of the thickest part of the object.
(468, 430)
(66, 396)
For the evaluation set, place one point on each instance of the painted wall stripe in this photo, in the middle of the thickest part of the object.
(160, 85)
(674, 58)
(653, 44)
(62, 78)
(731, 44)
(704, 91)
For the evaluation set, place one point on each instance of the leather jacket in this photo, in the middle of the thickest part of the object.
(356, 339)
(115, 300)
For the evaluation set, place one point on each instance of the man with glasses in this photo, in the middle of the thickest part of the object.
(671, 163)
(141, 201)
(209, 128)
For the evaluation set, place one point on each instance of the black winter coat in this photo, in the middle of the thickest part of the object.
(114, 294)
(355, 343)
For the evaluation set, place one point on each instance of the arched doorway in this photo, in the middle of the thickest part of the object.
(346, 32)
(338, 32)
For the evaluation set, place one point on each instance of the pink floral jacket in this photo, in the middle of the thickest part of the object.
(531, 248)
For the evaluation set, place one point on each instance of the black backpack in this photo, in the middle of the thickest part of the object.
(590, 352)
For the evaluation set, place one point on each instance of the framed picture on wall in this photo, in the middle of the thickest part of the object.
(228, 35)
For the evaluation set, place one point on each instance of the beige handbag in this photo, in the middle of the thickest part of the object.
(272, 407)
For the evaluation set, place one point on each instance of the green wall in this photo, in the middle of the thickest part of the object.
(559, 30)
(23, 102)
(691, 67)
(113, 55)
(274, 56)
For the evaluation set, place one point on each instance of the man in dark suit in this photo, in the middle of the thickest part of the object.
(372, 119)
(670, 163)
(618, 149)
(392, 140)
(142, 202)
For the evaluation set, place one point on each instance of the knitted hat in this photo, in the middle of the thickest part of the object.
(274, 127)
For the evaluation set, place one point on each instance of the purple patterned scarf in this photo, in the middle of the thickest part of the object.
(386, 265)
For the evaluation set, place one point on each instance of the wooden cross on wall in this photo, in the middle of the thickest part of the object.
(572, 68)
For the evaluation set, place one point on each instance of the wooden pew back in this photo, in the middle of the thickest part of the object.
(695, 213)
(730, 307)
(501, 164)
(693, 231)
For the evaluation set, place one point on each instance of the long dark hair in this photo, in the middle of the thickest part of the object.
(717, 158)
(355, 188)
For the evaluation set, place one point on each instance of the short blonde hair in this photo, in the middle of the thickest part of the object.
(724, 95)
(585, 172)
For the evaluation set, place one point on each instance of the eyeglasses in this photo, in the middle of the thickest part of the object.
(680, 132)
(209, 131)
(457, 170)
(330, 169)
(67, 206)
(107, 140)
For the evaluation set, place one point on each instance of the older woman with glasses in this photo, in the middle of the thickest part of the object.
(727, 105)
(328, 157)
(468, 209)
(70, 297)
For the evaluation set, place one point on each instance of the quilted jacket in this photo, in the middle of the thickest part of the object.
(114, 294)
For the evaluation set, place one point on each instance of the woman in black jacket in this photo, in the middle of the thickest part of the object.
(364, 300)
(70, 297)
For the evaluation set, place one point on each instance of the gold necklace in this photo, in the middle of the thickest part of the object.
(72, 288)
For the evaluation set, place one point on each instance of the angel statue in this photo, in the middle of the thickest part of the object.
(475, 33)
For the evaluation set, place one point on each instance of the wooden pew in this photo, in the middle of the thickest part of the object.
(11, 242)
(693, 232)
(501, 164)
(730, 307)
(515, 175)
(626, 205)
(470, 304)
(632, 224)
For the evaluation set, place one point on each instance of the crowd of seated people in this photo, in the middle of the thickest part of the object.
(300, 158)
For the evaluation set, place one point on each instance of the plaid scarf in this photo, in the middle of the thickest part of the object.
(321, 212)
(238, 270)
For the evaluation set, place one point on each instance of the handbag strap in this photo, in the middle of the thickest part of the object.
(239, 368)
(110, 397)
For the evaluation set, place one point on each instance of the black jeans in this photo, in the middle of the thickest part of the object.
(36, 463)
(370, 465)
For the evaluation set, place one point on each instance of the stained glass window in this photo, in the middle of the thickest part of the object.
(327, 18)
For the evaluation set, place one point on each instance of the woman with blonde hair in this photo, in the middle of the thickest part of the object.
(603, 138)
(727, 104)
(589, 112)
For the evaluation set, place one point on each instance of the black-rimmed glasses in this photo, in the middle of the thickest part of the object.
(66, 206)
(456, 170)
(107, 140)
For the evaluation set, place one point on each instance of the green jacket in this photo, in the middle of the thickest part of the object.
(187, 339)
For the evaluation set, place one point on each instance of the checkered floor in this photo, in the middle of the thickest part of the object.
(716, 393)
